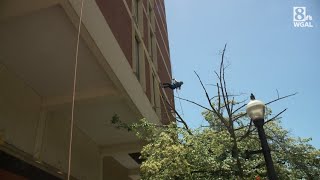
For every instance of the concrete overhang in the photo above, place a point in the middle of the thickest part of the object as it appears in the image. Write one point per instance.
(38, 42)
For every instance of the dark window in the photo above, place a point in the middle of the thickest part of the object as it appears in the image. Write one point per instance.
(151, 43)
(136, 11)
(154, 90)
(150, 11)
(137, 57)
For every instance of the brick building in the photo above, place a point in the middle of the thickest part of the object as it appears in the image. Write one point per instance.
(123, 56)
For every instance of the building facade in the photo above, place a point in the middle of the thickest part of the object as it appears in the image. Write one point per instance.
(123, 57)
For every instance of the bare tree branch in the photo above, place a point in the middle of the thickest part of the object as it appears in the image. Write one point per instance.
(194, 103)
(181, 119)
(232, 104)
(248, 131)
(208, 98)
(219, 99)
(279, 98)
(223, 83)
(274, 117)
(238, 117)
(230, 95)
(227, 97)
(239, 108)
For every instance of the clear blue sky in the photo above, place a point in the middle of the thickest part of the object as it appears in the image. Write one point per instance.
(265, 52)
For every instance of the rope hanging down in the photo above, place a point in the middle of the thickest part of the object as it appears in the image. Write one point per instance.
(74, 92)
(182, 113)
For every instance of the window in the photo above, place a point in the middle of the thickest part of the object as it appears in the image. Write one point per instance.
(137, 58)
(136, 9)
(150, 10)
(151, 43)
(155, 94)
(154, 91)
(138, 55)
(151, 13)
(151, 33)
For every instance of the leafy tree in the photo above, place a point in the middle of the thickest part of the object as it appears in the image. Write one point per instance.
(228, 148)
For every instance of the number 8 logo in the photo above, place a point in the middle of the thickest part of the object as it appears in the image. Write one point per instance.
(299, 13)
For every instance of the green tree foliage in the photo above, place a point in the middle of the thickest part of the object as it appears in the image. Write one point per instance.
(227, 148)
(171, 152)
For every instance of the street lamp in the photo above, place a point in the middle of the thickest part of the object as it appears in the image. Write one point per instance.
(256, 111)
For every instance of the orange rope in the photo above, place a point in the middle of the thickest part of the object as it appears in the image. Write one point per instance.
(74, 93)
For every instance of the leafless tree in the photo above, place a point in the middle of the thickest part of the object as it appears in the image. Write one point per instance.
(228, 111)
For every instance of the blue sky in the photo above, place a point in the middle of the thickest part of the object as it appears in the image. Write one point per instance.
(265, 51)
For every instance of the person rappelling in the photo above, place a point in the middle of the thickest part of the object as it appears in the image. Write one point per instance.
(173, 85)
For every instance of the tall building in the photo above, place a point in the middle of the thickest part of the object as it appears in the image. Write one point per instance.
(123, 56)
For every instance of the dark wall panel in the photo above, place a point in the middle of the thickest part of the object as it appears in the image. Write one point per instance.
(119, 21)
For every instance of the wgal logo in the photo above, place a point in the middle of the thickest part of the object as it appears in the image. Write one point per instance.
(300, 17)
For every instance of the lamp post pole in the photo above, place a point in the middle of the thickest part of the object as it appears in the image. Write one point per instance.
(256, 111)
(272, 175)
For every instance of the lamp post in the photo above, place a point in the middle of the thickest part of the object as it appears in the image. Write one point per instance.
(256, 111)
